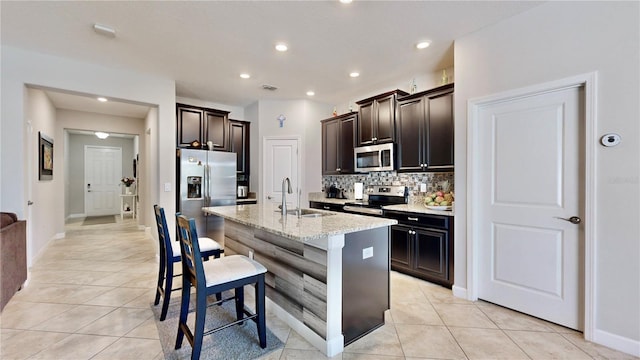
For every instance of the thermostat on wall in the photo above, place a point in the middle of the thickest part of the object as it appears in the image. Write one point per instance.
(610, 139)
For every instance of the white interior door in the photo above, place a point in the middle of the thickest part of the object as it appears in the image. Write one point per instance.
(102, 174)
(531, 176)
(281, 160)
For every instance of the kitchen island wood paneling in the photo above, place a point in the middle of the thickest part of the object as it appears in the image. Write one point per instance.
(317, 267)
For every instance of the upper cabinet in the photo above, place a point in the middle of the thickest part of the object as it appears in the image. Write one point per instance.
(425, 130)
(216, 127)
(239, 144)
(202, 125)
(377, 120)
(338, 141)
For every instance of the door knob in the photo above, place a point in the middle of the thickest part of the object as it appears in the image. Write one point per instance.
(29, 203)
(269, 197)
(574, 219)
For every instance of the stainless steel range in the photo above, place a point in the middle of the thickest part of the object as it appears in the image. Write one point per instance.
(379, 196)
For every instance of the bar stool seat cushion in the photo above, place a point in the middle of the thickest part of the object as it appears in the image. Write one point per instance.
(230, 268)
(206, 244)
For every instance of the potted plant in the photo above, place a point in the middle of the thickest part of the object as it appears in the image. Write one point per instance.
(127, 181)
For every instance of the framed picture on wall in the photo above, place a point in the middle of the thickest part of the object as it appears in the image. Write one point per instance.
(46, 157)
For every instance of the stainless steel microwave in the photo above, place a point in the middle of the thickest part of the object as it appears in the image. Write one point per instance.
(374, 158)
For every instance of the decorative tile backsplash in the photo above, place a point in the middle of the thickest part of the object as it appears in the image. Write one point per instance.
(411, 180)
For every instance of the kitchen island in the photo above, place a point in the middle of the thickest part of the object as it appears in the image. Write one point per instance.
(328, 272)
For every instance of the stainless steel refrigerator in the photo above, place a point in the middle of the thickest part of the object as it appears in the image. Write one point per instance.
(205, 178)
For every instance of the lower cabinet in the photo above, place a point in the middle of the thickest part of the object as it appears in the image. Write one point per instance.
(422, 251)
(325, 206)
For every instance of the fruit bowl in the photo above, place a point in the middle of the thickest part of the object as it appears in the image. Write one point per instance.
(439, 200)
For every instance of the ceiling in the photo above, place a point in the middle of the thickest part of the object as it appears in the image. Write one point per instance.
(205, 45)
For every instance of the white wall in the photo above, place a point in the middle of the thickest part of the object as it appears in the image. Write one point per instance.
(303, 120)
(20, 68)
(40, 115)
(553, 41)
(424, 81)
(149, 168)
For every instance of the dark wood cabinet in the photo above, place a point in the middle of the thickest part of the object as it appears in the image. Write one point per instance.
(377, 120)
(216, 127)
(325, 206)
(425, 130)
(239, 144)
(401, 245)
(422, 246)
(190, 125)
(202, 124)
(338, 141)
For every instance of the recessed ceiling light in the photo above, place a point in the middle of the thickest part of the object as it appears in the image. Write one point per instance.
(310, 93)
(101, 135)
(423, 44)
(346, 1)
(245, 76)
(354, 74)
(102, 99)
(281, 47)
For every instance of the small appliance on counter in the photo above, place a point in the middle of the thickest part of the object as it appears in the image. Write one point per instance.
(334, 193)
(243, 191)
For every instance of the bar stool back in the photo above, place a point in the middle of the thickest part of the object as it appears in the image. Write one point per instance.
(216, 276)
(169, 255)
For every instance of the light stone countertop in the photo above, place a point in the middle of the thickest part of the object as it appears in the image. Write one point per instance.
(333, 201)
(267, 217)
(417, 208)
(414, 208)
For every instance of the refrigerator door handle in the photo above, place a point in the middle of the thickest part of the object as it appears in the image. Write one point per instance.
(207, 182)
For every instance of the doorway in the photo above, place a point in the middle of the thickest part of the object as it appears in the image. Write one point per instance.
(530, 247)
(281, 160)
(102, 174)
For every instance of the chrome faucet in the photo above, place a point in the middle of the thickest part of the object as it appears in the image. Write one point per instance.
(284, 195)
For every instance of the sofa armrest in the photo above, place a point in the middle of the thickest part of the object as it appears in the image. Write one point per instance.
(13, 259)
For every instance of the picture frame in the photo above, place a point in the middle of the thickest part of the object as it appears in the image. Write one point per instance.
(45, 145)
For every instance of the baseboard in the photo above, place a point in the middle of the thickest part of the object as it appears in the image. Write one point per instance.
(459, 292)
(617, 342)
(76, 216)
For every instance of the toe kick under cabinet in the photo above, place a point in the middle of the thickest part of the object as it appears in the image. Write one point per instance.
(422, 246)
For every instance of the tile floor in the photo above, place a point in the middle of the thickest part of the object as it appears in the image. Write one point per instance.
(88, 298)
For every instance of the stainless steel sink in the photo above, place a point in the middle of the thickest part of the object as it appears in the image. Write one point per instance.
(309, 213)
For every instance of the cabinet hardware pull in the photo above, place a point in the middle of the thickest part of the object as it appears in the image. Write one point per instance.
(412, 218)
(326, 208)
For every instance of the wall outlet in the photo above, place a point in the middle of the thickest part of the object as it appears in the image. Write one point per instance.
(167, 187)
(423, 187)
(367, 253)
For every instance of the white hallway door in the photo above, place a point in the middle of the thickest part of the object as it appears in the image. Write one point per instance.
(281, 160)
(531, 174)
(102, 174)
